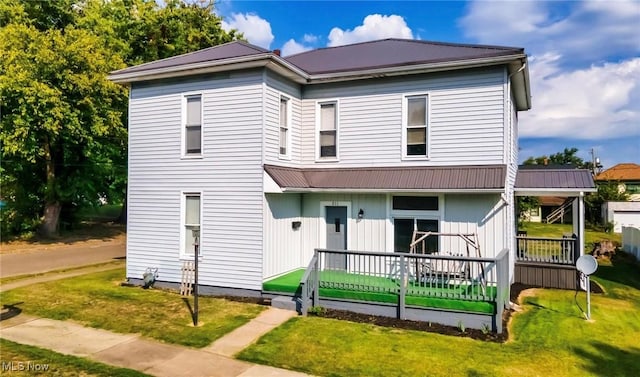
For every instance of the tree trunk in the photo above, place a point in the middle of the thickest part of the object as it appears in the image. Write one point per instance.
(51, 217)
(122, 219)
(52, 206)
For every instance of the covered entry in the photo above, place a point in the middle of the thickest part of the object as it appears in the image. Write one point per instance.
(550, 262)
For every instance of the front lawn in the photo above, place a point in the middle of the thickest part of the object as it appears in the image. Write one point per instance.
(557, 230)
(22, 360)
(549, 338)
(97, 300)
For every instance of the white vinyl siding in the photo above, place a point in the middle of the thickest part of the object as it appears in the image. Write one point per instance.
(466, 119)
(275, 89)
(229, 176)
(282, 243)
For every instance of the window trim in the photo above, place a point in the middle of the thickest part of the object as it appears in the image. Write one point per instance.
(405, 126)
(285, 156)
(318, 120)
(183, 127)
(392, 214)
(183, 212)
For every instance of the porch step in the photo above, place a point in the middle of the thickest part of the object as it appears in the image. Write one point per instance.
(286, 302)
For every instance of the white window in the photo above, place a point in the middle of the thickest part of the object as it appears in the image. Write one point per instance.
(328, 131)
(193, 126)
(403, 233)
(284, 127)
(191, 224)
(416, 129)
(411, 213)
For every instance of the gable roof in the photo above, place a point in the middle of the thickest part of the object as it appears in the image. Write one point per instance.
(621, 172)
(548, 181)
(387, 57)
(484, 178)
(392, 53)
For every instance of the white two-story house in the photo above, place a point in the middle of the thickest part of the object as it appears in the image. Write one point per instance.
(351, 147)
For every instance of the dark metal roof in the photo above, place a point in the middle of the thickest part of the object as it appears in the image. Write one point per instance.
(225, 51)
(391, 52)
(554, 179)
(484, 177)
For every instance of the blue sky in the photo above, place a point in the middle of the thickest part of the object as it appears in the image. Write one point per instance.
(584, 56)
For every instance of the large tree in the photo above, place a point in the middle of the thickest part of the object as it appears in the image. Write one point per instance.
(63, 124)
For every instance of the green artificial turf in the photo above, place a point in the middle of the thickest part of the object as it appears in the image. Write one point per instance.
(380, 289)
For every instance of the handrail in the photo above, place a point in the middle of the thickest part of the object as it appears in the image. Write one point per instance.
(544, 238)
(308, 284)
(417, 256)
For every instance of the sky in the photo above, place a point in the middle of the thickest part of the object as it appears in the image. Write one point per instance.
(584, 56)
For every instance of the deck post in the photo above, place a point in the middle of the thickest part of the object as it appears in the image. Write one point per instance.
(316, 278)
(403, 286)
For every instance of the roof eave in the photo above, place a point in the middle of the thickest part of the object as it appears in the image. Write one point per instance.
(274, 62)
(386, 190)
(414, 69)
(536, 191)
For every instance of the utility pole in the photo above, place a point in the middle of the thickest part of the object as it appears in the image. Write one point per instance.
(596, 166)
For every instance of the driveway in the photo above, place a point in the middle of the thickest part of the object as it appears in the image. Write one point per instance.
(38, 258)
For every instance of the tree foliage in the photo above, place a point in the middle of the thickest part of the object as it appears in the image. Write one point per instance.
(63, 124)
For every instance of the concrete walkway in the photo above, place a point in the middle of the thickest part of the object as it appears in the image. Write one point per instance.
(149, 356)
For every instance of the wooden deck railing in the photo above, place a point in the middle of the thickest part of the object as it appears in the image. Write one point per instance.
(410, 275)
(547, 250)
(309, 285)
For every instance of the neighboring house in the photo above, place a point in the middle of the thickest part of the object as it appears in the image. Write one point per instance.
(549, 206)
(351, 147)
(627, 177)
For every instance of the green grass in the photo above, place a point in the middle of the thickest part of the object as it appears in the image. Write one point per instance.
(379, 289)
(557, 230)
(12, 279)
(107, 212)
(549, 338)
(97, 300)
(57, 364)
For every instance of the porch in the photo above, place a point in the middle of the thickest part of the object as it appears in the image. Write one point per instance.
(549, 262)
(447, 289)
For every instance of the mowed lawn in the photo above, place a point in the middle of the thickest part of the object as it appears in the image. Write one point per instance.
(550, 337)
(97, 300)
(557, 230)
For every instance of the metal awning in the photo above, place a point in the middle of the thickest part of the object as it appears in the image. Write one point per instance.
(553, 182)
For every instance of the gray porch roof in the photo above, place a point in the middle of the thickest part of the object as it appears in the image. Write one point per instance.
(481, 178)
(559, 182)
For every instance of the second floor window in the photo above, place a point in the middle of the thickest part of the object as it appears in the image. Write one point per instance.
(284, 126)
(416, 127)
(193, 126)
(328, 131)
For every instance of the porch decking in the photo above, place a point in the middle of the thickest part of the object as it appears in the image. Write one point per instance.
(378, 289)
(447, 289)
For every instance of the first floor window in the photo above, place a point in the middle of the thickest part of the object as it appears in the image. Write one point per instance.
(416, 127)
(191, 222)
(403, 233)
(193, 126)
(328, 130)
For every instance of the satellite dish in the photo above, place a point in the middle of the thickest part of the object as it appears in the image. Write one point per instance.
(587, 264)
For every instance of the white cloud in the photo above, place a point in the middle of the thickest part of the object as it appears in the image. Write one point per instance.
(292, 47)
(255, 29)
(582, 32)
(310, 38)
(374, 26)
(599, 102)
